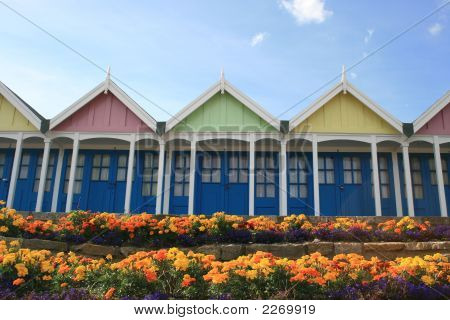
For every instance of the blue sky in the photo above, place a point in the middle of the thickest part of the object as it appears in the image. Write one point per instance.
(276, 51)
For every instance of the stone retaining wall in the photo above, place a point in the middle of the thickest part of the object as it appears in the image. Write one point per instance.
(382, 250)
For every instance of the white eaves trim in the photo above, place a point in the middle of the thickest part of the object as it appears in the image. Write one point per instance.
(107, 85)
(209, 93)
(20, 105)
(348, 87)
(431, 111)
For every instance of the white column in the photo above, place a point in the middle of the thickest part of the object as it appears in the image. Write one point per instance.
(439, 176)
(130, 168)
(397, 187)
(15, 170)
(375, 176)
(167, 182)
(73, 168)
(315, 164)
(43, 175)
(192, 176)
(283, 178)
(408, 183)
(57, 180)
(251, 176)
(159, 188)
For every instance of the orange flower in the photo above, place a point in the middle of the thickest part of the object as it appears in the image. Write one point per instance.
(64, 284)
(110, 293)
(187, 280)
(160, 255)
(18, 281)
(151, 275)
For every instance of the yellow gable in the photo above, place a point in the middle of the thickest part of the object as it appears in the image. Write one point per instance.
(11, 119)
(345, 114)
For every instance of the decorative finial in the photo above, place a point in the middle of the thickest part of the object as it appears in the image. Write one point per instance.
(222, 81)
(344, 79)
(108, 78)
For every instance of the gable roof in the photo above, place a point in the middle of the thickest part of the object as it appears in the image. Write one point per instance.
(104, 86)
(24, 108)
(221, 86)
(434, 109)
(345, 86)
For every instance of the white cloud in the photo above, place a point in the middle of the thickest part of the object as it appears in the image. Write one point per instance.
(353, 75)
(368, 35)
(307, 11)
(258, 38)
(435, 29)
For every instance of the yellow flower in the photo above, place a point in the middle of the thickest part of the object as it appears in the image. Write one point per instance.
(427, 280)
(251, 274)
(181, 264)
(4, 229)
(202, 228)
(22, 271)
(14, 243)
(109, 257)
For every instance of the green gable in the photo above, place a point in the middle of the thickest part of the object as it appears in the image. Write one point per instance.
(223, 113)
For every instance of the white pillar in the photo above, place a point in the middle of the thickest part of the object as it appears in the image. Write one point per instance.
(408, 183)
(57, 180)
(439, 176)
(130, 168)
(397, 186)
(15, 170)
(43, 175)
(73, 168)
(315, 157)
(167, 182)
(283, 178)
(159, 188)
(192, 176)
(375, 176)
(251, 176)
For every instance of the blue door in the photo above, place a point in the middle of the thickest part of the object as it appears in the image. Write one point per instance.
(300, 181)
(223, 182)
(28, 181)
(426, 201)
(145, 183)
(6, 160)
(107, 181)
(81, 180)
(236, 183)
(266, 183)
(179, 187)
(345, 184)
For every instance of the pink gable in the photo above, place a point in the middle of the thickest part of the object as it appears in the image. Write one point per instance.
(105, 113)
(439, 124)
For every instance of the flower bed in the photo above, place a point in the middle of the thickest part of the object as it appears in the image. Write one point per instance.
(194, 230)
(162, 274)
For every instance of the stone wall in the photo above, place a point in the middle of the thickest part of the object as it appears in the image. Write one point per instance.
(382, 250)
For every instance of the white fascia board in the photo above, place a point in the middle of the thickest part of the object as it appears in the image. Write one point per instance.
(426, 116)
(99, 89)
(209, 93)
(303, 115)
(19, 105)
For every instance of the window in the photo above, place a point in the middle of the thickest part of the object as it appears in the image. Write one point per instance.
(49, 175)
(211, 164)
(265, 175)
(150, 174)
(383, 172)
(416, 176)
(122, 165)
(238, 168)
(298, 176)
(100, 167)
(432, 165)
(24, 165)
(181, 174)
(78, 174)
(326, 170)
(2, 165)
(352, 170)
